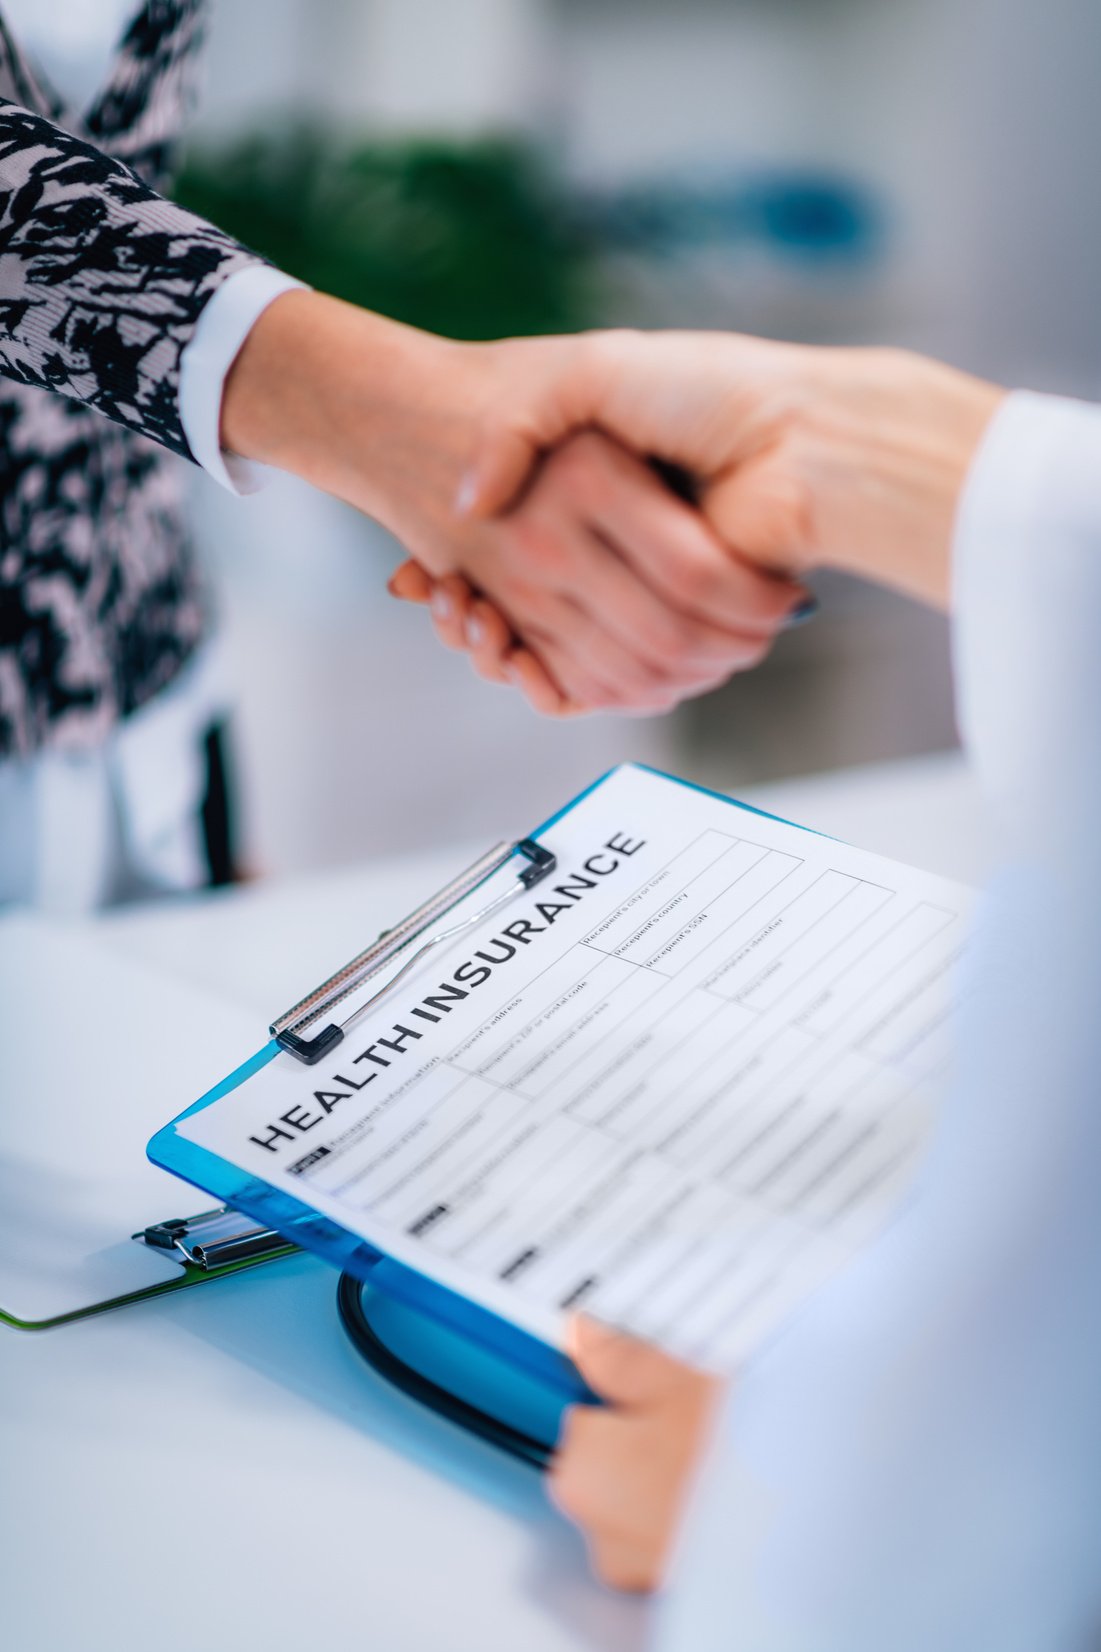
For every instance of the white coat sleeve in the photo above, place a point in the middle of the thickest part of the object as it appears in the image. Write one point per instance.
(916, 1462)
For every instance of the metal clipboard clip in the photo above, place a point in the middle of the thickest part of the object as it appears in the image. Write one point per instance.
(217, 1238)
(290, 1028)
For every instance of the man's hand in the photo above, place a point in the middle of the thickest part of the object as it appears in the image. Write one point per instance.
(626, 596)
(622, 1472)
(805, 457)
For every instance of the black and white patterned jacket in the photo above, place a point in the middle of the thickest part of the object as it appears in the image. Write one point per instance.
(101, 285)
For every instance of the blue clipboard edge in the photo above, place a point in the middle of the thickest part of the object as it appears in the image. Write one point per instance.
(303, 1226)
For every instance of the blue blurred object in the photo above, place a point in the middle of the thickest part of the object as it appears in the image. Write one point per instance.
(814, 217)
(798, 215)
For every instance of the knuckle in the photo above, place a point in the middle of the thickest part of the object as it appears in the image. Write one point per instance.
(699, 580)
(581, 688)
(581, 468)
(526, 537)
(678, 644)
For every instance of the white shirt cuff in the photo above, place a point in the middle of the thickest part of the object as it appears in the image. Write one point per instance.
(1026, 571)
(222, 328)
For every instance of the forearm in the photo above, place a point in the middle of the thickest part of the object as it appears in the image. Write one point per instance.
(313, 370)
(102, 281)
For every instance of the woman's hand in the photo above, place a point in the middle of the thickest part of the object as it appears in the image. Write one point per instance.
(470, 625)
(624, 594)
(622, 1472)
(627, 513)
(805, 457)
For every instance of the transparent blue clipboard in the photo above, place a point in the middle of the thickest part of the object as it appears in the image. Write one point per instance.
(307, 1032)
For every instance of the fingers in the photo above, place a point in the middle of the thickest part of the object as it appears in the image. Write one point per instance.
(621, 1472)
(600, 529)
(497, 658)
(538, 686)
(410, 583)
(690, 571)
(594, 1482)
(619, 1368)
(767, 508)
(450, 605)
(621, 594)
(628, 1566)
(595, 668)
(471, 624)
(489, 640)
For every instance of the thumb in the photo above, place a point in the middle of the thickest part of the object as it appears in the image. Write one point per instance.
(621, 1369)
(495, 477)
(549, 389)
(765, 508)
(410, 583)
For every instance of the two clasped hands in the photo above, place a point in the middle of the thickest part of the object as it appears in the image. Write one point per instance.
(529, 482)
(520, 478)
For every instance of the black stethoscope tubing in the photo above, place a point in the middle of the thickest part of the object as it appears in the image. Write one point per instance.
(366, 1340)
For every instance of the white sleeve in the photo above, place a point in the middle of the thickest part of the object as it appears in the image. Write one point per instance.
(916, 1462)
(1026, 555)
(221, 330)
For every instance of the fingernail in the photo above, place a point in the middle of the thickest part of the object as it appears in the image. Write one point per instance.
(441, 605)
(475, 632)
(466, 495)
(805, 611)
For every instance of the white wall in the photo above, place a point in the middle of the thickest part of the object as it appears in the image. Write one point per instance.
(452, 65)
(1028, 175)
(978, 120)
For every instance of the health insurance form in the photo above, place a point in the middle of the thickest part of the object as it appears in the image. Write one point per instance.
(676, 1084)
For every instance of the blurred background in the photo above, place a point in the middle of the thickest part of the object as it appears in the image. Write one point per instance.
(920, 172)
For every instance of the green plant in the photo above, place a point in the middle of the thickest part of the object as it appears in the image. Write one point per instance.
(471, 240)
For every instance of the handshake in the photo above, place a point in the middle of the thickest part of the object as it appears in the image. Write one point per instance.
(530, 481)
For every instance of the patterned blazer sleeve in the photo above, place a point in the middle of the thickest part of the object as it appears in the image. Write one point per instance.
(102, 281)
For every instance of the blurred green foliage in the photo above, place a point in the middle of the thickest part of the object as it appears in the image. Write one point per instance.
(470, 240)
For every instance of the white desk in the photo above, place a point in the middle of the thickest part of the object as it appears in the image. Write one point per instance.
(217, 1468)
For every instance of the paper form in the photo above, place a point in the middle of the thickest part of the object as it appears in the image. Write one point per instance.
(676, 1084)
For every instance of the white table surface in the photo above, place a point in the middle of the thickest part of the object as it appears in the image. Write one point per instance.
(217, 1468)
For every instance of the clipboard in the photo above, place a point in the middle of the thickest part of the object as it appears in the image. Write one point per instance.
(68, 1207)
(311, 1029)
(314, 1027)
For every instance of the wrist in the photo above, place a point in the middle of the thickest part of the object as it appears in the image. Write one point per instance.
(918, 426)
(343, 398)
